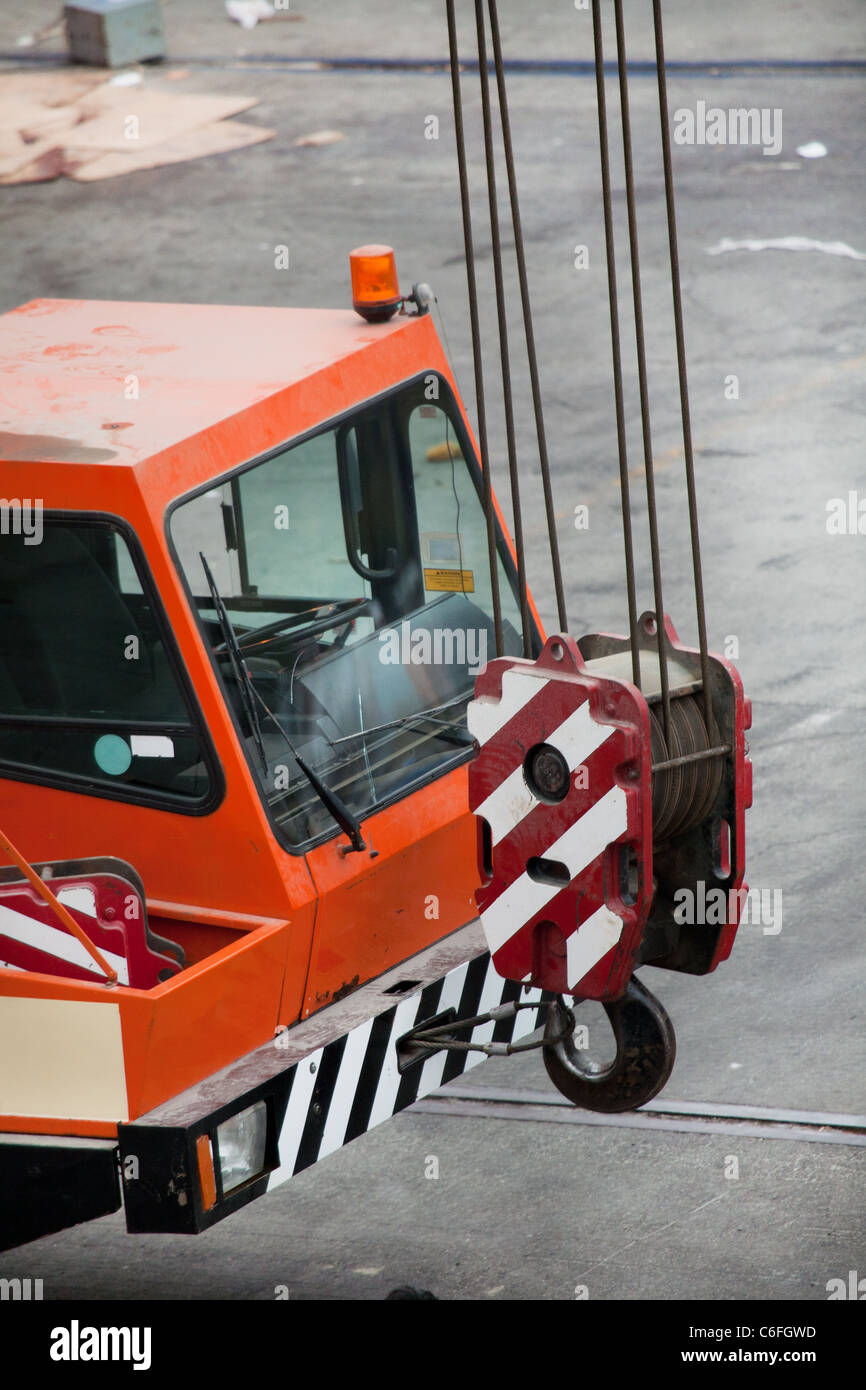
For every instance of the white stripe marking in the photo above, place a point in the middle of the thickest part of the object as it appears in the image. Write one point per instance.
(525, 1022)
(592, 940)
(786, 243)
(485, 716)
(346, 1085)
(60, 944)
(296, 1116)
(389, 1077)
(82, 899)
(507, 806)
(580, 845)
(431, 1074)
(345, 1088)
(577, 737)
(491, 995)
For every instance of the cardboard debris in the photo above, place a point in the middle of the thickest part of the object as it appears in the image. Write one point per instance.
(30, 116)
(135, 120)
(83, 126)
(53, 88)
(47, 121)
(219, 138)
(35, 163)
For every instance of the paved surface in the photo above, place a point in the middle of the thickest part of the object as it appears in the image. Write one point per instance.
(629, 1215)
(780, 29)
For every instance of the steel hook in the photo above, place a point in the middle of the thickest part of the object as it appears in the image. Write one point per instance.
(645, 1052)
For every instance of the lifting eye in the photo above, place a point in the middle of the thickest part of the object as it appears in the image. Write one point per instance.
(629, 874)
(486, 847)
(550, 871)
(546, 773)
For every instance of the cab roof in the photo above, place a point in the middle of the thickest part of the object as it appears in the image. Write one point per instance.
(102, 381)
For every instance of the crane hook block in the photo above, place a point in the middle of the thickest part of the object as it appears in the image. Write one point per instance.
(600, 846)
(562, 789)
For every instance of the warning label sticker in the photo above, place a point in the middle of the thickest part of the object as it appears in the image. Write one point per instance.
(450, 581)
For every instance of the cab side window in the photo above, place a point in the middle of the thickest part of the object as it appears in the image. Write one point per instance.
(88, 695)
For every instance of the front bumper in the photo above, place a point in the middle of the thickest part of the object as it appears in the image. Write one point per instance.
(320, 1083)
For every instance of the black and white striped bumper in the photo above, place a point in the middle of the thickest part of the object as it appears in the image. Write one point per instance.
(322, 1083)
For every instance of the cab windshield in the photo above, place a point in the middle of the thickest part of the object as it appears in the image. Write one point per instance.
(353, 570)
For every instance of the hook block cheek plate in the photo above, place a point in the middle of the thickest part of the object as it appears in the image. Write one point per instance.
(562, 789)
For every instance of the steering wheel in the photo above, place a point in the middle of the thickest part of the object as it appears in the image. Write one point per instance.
(334, 613)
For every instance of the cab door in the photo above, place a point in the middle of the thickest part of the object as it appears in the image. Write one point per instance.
(349, 620)
(414, 882)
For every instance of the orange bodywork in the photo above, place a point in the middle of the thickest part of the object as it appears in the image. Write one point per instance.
(120, 409)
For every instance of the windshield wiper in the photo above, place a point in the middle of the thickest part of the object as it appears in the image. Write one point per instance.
(332, 803)
(239, 666)
(347, 822)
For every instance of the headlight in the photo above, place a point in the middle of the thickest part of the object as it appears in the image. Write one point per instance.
(241, 1143)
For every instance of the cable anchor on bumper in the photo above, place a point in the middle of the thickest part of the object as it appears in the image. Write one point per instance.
(433, 1036)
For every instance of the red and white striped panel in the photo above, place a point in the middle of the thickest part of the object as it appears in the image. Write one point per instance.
(576, 932)
(113, 914)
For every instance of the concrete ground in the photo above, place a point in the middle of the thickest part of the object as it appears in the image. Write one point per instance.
(522, 1210)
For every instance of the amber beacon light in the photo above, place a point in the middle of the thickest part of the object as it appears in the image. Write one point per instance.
(375, 291)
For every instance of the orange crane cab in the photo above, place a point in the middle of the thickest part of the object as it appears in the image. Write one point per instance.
(244, 596)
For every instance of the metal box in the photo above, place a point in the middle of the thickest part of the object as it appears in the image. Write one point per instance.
(113, 33)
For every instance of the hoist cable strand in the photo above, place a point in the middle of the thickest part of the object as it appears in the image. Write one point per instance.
(681, 358)
(610, 252)
(505, 365)
(527, 318)
(642, 372)
(472, 289)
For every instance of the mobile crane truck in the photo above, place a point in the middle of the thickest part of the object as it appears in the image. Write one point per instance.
(302, 813)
